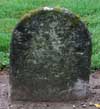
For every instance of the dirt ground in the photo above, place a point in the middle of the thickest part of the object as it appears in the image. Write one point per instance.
(87, 103)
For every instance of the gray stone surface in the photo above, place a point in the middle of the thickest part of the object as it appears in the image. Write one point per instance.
(50, 51)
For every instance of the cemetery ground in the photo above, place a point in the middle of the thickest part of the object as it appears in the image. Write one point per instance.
(87, 103)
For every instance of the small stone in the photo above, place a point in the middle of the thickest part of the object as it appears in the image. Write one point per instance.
(91, 104)
(84, 105)
(11, 106)
(47, 105)
(74, 106)
(98, 99)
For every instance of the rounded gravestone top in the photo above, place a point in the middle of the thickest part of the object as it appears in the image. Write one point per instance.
(50, 49)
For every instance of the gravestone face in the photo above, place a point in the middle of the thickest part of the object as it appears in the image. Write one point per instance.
(50, 51)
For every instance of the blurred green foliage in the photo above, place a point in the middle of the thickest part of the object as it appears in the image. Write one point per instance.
(12, 10)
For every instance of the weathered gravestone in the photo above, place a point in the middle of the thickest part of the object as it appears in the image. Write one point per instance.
(50, 52)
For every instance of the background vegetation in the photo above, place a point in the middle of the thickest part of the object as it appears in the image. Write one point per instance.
(12, 10)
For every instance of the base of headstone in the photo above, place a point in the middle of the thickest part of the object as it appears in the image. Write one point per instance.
(43, 105)
(80, 91)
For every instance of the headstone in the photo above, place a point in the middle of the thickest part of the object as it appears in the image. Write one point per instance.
(50, 54)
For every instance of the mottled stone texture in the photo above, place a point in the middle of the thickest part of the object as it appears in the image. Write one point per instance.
(50, 50)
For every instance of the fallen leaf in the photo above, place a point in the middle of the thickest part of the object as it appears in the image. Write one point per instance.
(97, 105)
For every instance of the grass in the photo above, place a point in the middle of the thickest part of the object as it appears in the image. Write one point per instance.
(12, 10)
